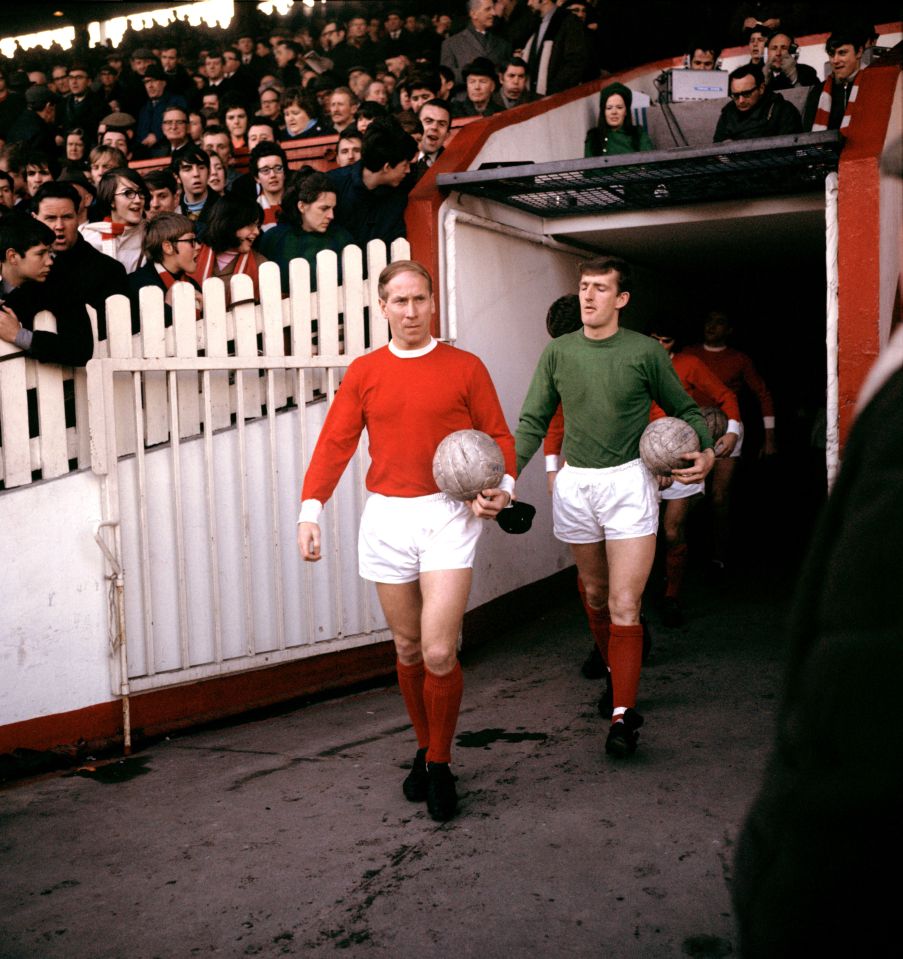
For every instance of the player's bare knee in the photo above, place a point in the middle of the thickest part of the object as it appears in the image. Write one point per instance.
(674, 533)
(440, 661)
(596, 595)
(624, 607)
(408, 649)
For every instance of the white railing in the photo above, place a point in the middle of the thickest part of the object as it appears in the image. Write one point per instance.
(43, 407)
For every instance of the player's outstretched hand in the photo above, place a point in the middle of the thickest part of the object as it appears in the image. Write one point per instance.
(309, 542)
(702, 463)
(489, 503)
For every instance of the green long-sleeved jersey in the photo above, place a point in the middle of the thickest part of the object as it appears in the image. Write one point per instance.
(605, 388)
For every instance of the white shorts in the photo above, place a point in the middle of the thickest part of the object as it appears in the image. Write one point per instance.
(591, 505)
(403, 536)
(682, 490)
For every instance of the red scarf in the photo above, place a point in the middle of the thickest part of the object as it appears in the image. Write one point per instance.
(113, 230)
(207, 259)
(823, 112)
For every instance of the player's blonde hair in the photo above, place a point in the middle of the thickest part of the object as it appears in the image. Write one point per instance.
(402, 266)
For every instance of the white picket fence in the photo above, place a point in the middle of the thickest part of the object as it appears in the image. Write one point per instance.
(43, 407)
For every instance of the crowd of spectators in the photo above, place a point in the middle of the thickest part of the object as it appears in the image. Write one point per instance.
(209, 103)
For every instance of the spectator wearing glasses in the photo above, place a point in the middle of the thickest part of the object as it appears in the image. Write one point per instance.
(754, 110)
(175, 132)
(59, 79)
(268, 167)
(228, 244)
(271, 105)
(121, 200)
(171, 255)
(82, 107)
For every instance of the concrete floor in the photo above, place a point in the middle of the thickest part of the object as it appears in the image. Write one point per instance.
(289, 835)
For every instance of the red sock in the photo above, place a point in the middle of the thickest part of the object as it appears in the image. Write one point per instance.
(626, 657)
(442, 696)
(411, 681)
(599, 622)
(675, 565)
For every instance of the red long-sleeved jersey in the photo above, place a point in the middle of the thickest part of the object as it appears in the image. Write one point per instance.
(735, 369)
(704, 387)
(408, 406)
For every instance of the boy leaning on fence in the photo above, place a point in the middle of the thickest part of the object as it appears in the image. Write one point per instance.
(26, 256)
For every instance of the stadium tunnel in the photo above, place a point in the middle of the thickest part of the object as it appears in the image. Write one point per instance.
(787, 235)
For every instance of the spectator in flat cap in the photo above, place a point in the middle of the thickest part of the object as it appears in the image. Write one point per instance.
(108, 87)
(133, 93)
(475, 41)
(36, 125)
(149, 129)
(480, 83)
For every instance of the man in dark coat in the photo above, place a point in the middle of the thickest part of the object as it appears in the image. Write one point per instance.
(36, 125)
(371, 195)
(557, 54)
(11, 105)
(807, 875)
(754, 110)
(79, 271)
(82, 108)
(25, 263)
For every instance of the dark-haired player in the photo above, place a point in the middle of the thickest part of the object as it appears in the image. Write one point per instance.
(605, 503)
(415, 543)
(706, 390)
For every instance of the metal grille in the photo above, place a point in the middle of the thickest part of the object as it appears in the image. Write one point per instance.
(753, 168)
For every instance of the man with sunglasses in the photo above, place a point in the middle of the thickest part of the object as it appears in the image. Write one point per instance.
(755, 110)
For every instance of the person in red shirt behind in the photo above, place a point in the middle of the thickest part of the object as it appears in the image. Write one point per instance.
(736, 371)
(706, 390)
(415, 543)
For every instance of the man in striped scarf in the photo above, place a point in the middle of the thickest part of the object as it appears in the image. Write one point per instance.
(826, 106)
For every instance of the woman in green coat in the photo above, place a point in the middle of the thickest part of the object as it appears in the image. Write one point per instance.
(305, 226)
(616, 132)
